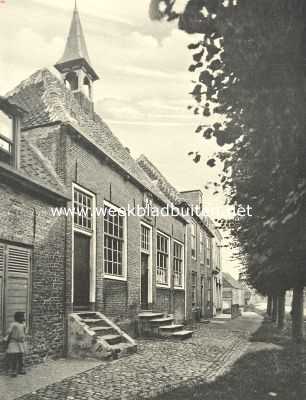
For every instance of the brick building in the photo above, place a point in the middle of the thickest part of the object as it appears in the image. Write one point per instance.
(32, 242)
(203, 263)
(116, 263)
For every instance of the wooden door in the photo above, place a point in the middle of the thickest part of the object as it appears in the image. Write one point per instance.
(81, 273)
(144, 280)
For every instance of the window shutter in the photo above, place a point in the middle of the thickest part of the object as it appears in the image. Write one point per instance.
(17, 282)
(2, 254)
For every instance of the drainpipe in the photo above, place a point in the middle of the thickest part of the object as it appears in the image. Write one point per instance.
(185, 271)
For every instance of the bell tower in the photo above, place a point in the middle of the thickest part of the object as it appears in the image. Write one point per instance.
(75, 65)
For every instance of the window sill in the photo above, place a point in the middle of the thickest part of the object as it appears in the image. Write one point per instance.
(159, 286)
(180, 289)
(115, 278)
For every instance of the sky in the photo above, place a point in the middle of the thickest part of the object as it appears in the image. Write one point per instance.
(144, 86)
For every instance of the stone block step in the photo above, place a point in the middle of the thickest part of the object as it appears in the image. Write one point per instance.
(102, 330)
(168, 330)
(150, 315)
(184, 334)
(124, 347)
(88, 314)
(171, 328)
(92, 320)
(112, 339)
(161, 321)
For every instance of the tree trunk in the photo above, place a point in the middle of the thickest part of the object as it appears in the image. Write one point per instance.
(281, 310)
(274, 308)
(298, 314)
(269, 306)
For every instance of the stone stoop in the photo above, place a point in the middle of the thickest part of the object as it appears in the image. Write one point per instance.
(222, 317)
(92, 334)
(154, 324)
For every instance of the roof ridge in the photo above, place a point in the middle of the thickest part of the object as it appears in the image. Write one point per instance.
(49, 100)
(159, 176)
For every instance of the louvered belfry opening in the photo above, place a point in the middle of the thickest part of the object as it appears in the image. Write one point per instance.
(15, 267)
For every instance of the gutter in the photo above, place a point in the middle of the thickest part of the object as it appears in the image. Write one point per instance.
(31, 184)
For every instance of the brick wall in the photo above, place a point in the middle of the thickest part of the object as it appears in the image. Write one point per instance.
(26, 220)
(92, 171)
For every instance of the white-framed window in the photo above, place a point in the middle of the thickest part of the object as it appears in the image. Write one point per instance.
(163, 259)
(194, 288)
(114, 242)
(193, 241)
(178, 265)
(82, 204)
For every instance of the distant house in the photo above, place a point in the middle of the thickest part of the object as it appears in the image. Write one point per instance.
(233, 294)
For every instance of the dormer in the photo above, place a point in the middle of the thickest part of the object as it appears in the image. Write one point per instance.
(10, 116)
(75, 66)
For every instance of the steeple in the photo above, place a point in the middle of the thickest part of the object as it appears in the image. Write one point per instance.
(75, 65)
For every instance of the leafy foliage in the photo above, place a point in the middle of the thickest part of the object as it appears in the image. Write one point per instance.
(250, 69)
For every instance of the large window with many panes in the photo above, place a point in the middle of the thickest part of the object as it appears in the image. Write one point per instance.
(162, 268)
(114, 241)
(178, 265)
(82, 203)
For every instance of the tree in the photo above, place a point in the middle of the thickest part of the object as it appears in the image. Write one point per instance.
(250, 68)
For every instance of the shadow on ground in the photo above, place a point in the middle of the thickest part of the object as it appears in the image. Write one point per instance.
(273, 367)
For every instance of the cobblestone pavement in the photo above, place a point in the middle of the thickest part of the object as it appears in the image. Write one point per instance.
(159, 366)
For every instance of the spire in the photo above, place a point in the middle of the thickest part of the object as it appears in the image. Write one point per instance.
(76, 50)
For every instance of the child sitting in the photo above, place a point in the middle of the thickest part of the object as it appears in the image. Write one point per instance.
(16, 345)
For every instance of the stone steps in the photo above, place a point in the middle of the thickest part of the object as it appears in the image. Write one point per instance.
(93, 334)
(161, 321)
(155, 324)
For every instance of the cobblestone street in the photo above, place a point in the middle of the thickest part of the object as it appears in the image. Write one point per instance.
(159, 366)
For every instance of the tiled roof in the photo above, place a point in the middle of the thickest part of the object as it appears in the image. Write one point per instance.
(35, 165)
(170, 192)
(156, 176)
(231, 281)
(48, 100)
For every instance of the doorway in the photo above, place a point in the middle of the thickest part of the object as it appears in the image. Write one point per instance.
(202, 296)
(81, 272)
(144, 281)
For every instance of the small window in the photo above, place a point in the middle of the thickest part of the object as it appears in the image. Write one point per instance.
(82, 210)
(71, 80)
(162, 269)
(145, 239)
(113, 241)
(87, 85)
(193, 241)
(178, 265)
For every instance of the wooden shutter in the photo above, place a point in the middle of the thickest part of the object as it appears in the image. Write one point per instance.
(2, 255)
(17, 282)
